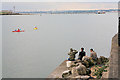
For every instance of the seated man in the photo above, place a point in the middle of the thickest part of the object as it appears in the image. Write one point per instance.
(93, 55)
(81, 54)
(72, 54)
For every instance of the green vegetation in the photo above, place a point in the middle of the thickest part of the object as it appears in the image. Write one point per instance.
(99, 70)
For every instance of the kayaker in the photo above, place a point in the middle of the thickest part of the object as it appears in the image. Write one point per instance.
(18, 30)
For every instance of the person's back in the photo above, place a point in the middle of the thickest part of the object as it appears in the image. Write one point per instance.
(72, 54)
(81, 54)
(93, 54)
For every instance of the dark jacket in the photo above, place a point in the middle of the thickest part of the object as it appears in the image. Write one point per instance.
(81, 54)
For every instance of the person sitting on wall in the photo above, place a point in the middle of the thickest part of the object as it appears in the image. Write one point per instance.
(93, 55)
(81, 54)
(72, 54)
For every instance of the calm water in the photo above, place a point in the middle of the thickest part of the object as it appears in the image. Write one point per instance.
(36, 53)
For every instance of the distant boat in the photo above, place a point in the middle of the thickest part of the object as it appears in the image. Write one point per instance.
(19, 30)
(100, 12)
(35, 28)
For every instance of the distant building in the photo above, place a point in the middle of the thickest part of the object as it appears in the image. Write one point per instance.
(7, 12)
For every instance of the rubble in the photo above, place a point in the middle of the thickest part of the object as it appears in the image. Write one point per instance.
(85, 68)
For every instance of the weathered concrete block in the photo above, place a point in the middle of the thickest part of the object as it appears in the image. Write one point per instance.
(114, 59)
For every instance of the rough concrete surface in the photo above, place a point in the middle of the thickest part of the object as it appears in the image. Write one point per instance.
(114, 59)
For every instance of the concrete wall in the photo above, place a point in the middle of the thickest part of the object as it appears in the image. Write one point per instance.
(114, 59)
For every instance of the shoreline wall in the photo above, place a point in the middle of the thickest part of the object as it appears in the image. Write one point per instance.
(114, 71)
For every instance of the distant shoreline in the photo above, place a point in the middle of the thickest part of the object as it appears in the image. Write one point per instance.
(46, 13)
(7, 12)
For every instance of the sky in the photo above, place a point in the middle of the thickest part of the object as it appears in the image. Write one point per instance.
(60, 0)
(46, 6)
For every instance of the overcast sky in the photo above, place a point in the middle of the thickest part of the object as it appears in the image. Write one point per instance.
(42, 6)
(59, 0)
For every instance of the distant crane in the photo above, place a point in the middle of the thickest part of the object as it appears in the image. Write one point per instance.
(14, 9)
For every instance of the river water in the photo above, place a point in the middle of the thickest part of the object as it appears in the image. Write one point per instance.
(36, 53)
